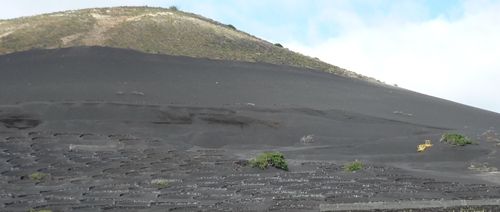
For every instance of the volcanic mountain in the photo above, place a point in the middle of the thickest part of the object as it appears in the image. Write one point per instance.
(150, 109)
(149, 30)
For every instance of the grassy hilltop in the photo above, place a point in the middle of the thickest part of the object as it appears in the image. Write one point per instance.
(150, 30)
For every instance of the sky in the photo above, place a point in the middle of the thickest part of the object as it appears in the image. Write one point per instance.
(444, 48)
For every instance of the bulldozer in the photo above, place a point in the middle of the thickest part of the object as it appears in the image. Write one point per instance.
(426, 145)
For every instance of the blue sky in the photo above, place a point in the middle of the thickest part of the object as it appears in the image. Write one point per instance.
(314, 21)
(444, 48)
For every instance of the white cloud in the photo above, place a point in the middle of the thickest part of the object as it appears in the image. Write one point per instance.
(452, 59)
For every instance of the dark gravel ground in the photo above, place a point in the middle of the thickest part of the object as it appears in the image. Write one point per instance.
(117, 172)
(116, 130)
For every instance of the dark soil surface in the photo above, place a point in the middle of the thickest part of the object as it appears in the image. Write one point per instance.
(115, 130)
(117, 172)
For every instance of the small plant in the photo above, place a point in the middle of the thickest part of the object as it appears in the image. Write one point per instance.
(160, 183)
(266, 159)
(37, 176)
(230, 26)
(353, 166)
(307, 139)
(174, 8)
(278, 45)
(455, 139)
(41, 210)
(471, 209)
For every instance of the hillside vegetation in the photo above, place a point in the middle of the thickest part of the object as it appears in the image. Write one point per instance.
(150, 30)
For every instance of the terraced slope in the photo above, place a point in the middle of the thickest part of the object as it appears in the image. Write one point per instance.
(150, 30)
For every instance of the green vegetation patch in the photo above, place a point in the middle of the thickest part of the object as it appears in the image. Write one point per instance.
(38, 176)
(230, 26)
(44, 31)
(455, 139)
(160, 183)
(353, 166)
(266, 159)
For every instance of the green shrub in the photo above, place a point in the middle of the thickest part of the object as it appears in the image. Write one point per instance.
(455, 139)
(230, 26)
(37, 176)
(353, 166)
(174, 8)
(266, 159)
(278, 45)
(160, 183)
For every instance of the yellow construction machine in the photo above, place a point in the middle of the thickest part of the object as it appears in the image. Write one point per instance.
(426, 145)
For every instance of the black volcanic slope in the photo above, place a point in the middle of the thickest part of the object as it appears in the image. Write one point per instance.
(105, 125)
